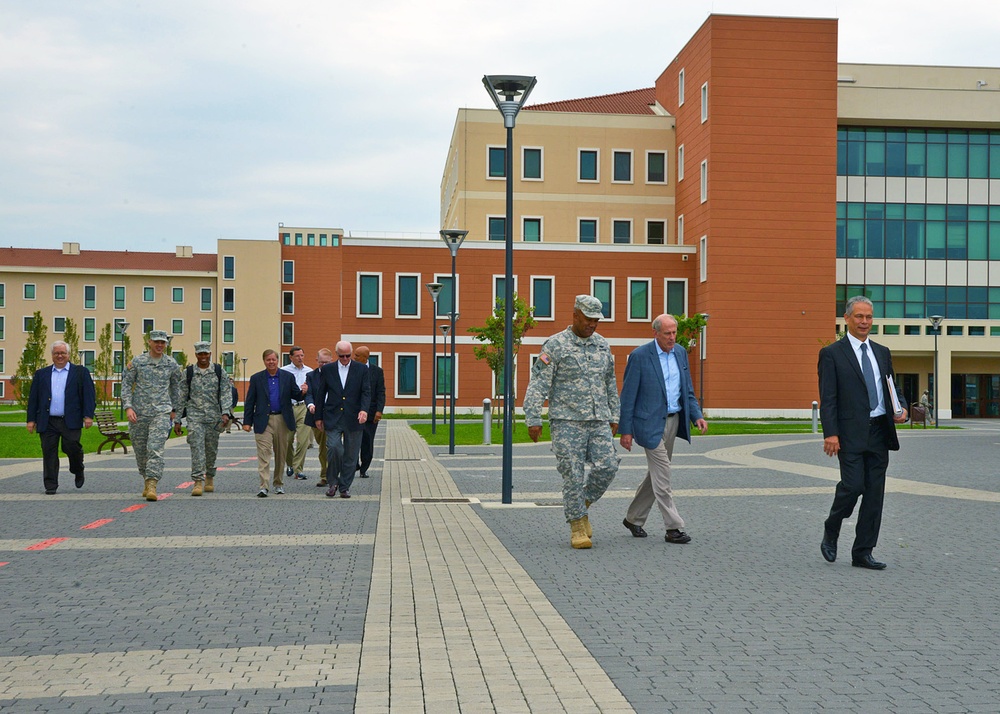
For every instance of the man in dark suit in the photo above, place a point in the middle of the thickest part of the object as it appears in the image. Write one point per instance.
(377, 378)
(859, 427)
(267, 409)
(323, 357)
(61, 402)
(342, 402)
(657, 405)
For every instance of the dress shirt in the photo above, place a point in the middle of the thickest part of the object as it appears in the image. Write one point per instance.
(300, 376)
(671, 379)
(272, 392)
(57, 407)
(856, 345)
(343, 369)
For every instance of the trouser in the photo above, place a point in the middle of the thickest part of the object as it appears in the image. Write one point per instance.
(320, 437)
(203, 438)
(149, 438)
(656, 485)
(295, 452)
(368, 444)
(862, 475)
(54, 432)
(342, 448)
(575, 443)
(274, 441)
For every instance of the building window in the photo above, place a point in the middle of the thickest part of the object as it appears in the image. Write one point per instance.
(311, 239)
(287, 302)
(656, 167)
(704, 102)
(228, 363)
(206, 330)
(622, 230)
(89, 329)
(177, 327)
(58, 324)
(638, 299)
(622, 167)
(229, 331)
(497, 162)
(148, 294)
(589, 165)
(370, 295)
(680, 163)
(442, 376)
(298, 239)
(287, 333)
(29, 291)
(588, 230)
(604, 289)
(1, 330)
(703, 254)
(58, 292)
(147, 325)
(406, 375)
(89, 297)
(680, 88)
(704, 180)
(680, 229)
(86, 359)
(531, 164)
(500, 287)
(656, 232)
(119, 297)
(118, 332)
(177, 294)
(407, 295)
(675, 296)
(541, 297)
(206, 299)
(28, 323)
(3, 295)
(286, 238)
(229, 267)
(444, 297)
(288, 271)
(228, 299)
(532, 230)
(322, 240)
(496, 228)
(375, 359)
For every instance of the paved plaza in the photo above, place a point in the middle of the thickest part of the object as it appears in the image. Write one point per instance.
(423, 593)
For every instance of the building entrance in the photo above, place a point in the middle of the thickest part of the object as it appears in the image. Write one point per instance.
(975, 395)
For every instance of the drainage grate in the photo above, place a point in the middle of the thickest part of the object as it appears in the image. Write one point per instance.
(548, 504)
(440, 500)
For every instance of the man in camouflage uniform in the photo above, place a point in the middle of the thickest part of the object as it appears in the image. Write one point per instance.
(151, 395)
(576, 373)
(206, 399)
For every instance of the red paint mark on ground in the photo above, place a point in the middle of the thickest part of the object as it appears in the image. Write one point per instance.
(186, 484)
(45, 544)
(3, 564)
(136, 507)
(161, 496)
(97, 524)
(236, 463)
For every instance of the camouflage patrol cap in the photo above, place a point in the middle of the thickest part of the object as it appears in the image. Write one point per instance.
(159, 335)
(200, 347)
(589, 306)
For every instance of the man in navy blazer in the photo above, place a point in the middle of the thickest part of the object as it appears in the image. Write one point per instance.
(62, 400)
(324, 356)
(342, 400)
(657, 405)
(859, 428)
(267, 409)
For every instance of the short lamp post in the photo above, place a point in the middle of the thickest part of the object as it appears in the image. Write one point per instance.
(453, 239)
(701, 362)
(509, 93)
(445, 329)
(936, 321)
(123, 328)
(434, 289)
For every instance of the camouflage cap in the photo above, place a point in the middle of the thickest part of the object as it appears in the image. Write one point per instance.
(200, 347)
(160, 335)
(589, 306)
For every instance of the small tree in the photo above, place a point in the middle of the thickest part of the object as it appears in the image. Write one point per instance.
(72, 338)
(689, 329)
(104, 363)
(492, 336)
(32, 360)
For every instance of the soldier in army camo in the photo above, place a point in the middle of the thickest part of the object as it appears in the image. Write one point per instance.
(206, 399)
(151, 395)
(576, 373)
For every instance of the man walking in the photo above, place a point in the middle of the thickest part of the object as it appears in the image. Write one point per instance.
(61, 402)
(377, 379)
(341, 403)
(267, 409)
(323, 357)
(298, 441)
(206, 400)
(658, 404)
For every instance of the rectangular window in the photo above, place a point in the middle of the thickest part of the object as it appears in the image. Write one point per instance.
(3, 295)
(2, 330)
(177, 327)
(703, 253)
(89, 329)
(118, 332)
(147, 325)
(588, 230)
(680, 88)
(370, 295)
(638, 299)
(322, 241)
(148, 294)
(656, 232)
(119, 297)
(28, 323)
(229, 267)
(622, 230)
(604, 289)
(228, 363)
(496, 228)
(86, 359)
(704, 180)
(58, 324)
(541, 297)
(89, 297)
(500, 287)
(680, 229)
(622, 172)
(442, 379)
(288, 271)
(680, 163)
(311, 239)
(287, 333)
(407, 295)
(286, 238)
(444, 297)
(229, 331)
(532, 230)
(656, 167)
(675, 297)
(375, 359)
(287, 302)
(704, 102)
(406, 375)
(531, 164)
(589, 165)
(177, 294)
(206, 330)
(298, 239)
(228, 299)
(497, 161)
(29, 291)
(2, 370)
(116, 360)
(58, 292)
(206, 299)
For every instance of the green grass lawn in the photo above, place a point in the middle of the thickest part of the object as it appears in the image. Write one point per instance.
(17, 443)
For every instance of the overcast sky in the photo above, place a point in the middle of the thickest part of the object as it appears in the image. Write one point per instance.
(147, 125)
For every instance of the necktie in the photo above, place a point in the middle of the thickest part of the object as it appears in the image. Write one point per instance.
(866, 370)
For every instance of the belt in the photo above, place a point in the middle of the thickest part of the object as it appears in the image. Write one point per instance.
(298, 401)
(273, 413)
(670, 414)
(876, 421)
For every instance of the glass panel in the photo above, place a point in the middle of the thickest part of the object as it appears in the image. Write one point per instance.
(602, 291)
(406, 375)
(622, 231)
(639, 299)
(542, 295)
(656, 167)
(370, 295)
(675, 297)
(407, 294)
(444, 297)
(497, 228)
(498, 162)
(533, 163)
(588, 165)
(655, 232)
(588, 231)
(532, 230)
(623, 166)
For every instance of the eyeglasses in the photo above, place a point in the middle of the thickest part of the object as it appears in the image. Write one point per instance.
(340, 356)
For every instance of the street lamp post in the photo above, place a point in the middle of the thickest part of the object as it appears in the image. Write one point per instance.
(509, 93)
(244, 361)
(701, 362)
(434, 289)
(453, 239)
(445, 329)
(936, 321)
(123, 328)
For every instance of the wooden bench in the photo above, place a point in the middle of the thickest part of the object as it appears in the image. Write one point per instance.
(112, 433)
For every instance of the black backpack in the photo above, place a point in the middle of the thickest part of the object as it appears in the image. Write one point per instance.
(190, 375)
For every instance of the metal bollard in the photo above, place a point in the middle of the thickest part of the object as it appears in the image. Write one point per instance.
(815, 417)
(487, 422)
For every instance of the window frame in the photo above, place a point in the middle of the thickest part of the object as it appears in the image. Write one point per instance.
(609, 279)
(666, 295)
(665, 180)
(231, 303)
(55, 292)
(416, 297)
(201, 330)
(490, 148)
(173, 294)
(497, 277)
(597, 230)
(360, 285)
(287, 266)
(211, 299)
(660, 221)
(680, 87)
(680, 163)
(33, 287)
(579, 165)
(648, 307)
(124, 301)
(397, 371)
(229, 267)
(287, 334)
(93, 302)
(231, 333)
(173, 326)
(92, 332)
(285, 295)
(614, 166)
(551, 280)
(615, 222)
(445, 279)
(703, 258)
(152, 324)
(541, 228)
(680, 229)
(704, 180)
(489, 233)
(704, 102)
(55, 324)
(150, 291)
(541, 163)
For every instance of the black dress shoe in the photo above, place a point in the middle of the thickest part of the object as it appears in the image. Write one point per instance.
(637, 531)
(677, 536)
(345, 494)
(867, 561)
(828, 548)
(364, 474)
(50, 492)
(79, 480)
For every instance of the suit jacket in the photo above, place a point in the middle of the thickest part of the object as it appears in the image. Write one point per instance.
(843, 405)
(376, 375)
(257, 405)
(80, 398)
(335, 403)
(644, 397)
(312, 380)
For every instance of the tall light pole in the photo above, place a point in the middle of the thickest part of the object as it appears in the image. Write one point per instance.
(244, 361)
(701, 362)
(936, 321)
(434, 289)
(514, 90)
(445, 329)
(122, 328)
(453, 239)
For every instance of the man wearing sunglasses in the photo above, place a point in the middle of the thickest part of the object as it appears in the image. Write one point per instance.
(344, 394)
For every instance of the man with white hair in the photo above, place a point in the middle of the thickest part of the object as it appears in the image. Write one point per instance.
(343, 396)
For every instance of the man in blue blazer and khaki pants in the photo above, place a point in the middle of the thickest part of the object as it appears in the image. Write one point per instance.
(62, 400)
(658, 404)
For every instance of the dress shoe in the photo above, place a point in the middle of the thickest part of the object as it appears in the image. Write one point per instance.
(637, 531)
(288, 472)
(345, 494)
(79, 480)
(332, 493)
(867, 561)
(321, 483)
(364, 474)
(50, 492)
(675, 535)
(828, 548)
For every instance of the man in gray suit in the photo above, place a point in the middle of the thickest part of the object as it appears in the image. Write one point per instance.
(658, 402)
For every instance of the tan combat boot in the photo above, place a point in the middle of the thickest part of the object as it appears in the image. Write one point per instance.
(199, 488)
(209, 484)
(150, 492)
(145, 487)
(586, 526)
(579, 537)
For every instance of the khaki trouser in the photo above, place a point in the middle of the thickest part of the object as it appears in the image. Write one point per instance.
(656, 485)
(295, 452)
(274, 441)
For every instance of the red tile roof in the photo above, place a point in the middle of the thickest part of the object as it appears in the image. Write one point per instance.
(107, 260)
(635, 101)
